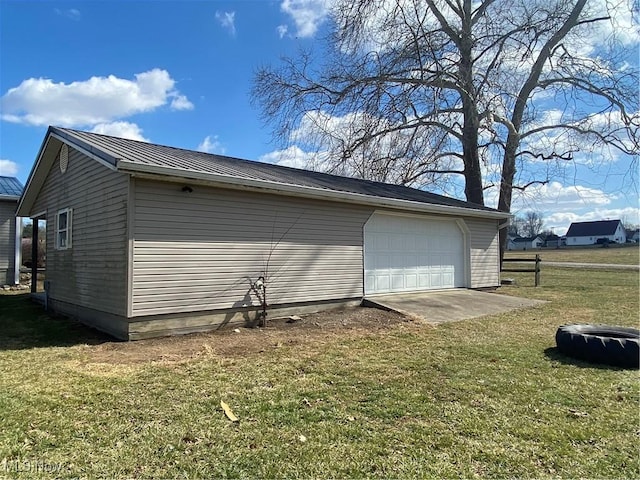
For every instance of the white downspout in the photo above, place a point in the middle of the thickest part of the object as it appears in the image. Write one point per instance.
(18, 252)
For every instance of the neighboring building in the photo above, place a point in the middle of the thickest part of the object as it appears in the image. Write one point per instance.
(589, 233)
(526, 243)
(146, 240)
(552, 241)
(633, 235)
(10, 191)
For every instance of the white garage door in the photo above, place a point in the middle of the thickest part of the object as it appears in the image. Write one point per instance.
(403, 254)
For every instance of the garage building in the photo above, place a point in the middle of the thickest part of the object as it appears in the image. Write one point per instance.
(146, 240)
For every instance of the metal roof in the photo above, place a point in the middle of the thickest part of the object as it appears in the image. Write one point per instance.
(116, 151)
(525, 239)
(593, 229)
(10, 187)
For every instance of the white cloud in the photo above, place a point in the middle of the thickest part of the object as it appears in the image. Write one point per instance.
(553, 197)
(282, 30)
(120, 129)
(181, 102)
(292, 156)
(228, 21)
(40, 101)
(307, 15)
(211, 145)
(622, 23)
(8, 168)
(72, 13)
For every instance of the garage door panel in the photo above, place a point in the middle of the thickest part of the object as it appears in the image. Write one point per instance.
(369, 283)
(397, 281)
(408, 254)
(396, 242)
(411, 281)
(397, 262)
(383, 283)
(435, 280)
(382, 242)
(382, 262)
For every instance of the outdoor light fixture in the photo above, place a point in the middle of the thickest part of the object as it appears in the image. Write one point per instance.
(187, 189)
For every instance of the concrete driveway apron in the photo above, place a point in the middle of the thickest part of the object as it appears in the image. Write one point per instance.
(449, 305)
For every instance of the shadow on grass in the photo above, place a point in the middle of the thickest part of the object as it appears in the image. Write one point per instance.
(24, 324)
(552, 353)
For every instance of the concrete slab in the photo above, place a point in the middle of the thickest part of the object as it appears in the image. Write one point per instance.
(449, 305)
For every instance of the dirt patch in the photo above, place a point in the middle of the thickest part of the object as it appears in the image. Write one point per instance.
(316, 328)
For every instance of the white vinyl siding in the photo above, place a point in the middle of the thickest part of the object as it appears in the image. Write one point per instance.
(7, 240)
(93, 273)
(199, 250)
(485, 252)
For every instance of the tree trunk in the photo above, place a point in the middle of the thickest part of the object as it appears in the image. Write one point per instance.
(506, 186)
(513, 139)
(472, 174)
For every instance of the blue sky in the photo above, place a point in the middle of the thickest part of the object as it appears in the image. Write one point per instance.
(180, 73)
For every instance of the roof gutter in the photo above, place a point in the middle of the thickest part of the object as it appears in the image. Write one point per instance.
(10, 197)
(239, 183)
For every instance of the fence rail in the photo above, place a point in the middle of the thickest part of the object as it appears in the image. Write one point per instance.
(536, 269)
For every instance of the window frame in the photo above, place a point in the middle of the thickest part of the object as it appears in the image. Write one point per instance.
(67, 231)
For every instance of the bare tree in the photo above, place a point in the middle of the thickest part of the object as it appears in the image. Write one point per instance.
(628, 224)
(528, 225)
(419, 92)
(532, 223)
(515, 227)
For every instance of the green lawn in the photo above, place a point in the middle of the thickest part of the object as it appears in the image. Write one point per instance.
(484, 398)
(617, 254)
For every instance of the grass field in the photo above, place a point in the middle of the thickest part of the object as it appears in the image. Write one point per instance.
(616, 254)
(484, 398)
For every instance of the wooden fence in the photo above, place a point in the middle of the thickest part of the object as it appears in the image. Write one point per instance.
(536, 269)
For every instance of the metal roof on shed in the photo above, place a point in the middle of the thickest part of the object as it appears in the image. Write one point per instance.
(10, 187)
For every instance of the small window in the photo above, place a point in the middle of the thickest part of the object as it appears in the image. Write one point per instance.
(63, 229)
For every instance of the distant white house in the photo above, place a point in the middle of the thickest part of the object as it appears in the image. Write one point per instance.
(526, 243)
(589, 233)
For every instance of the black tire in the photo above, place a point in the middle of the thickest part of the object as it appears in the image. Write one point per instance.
(618, 346)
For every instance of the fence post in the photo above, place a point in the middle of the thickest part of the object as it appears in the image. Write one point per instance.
(537, 270)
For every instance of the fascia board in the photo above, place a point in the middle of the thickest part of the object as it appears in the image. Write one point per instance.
(23, 207)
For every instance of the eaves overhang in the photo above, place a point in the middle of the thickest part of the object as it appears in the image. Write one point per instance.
(156, 172)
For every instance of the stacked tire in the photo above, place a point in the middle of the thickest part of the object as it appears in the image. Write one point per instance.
(606, 344)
